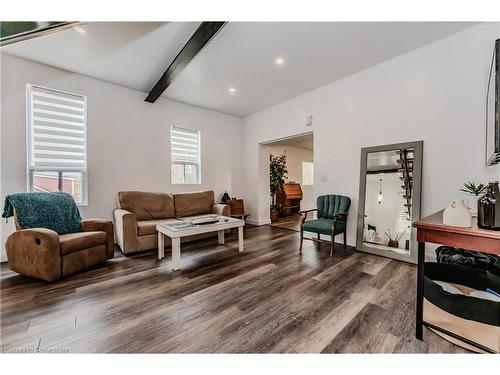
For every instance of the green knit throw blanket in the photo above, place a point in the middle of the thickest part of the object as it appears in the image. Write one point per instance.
(56, 211)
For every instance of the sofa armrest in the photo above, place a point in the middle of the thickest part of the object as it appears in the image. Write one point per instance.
(92, 225)
(125, 229)
(35, 252)
(221, 209)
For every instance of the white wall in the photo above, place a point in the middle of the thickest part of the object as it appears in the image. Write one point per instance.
(294, 158)
(128, 139)
(435, 94)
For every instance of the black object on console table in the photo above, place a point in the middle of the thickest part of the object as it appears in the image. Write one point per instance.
(488, 207)
(431, 229)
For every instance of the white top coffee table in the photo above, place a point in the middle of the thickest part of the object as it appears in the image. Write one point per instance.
(183, 227)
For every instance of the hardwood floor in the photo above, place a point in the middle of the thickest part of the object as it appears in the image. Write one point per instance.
(292, 222)
(270, 298)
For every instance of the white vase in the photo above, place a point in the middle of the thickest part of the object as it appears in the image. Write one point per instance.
(457, 215)
(471, 204)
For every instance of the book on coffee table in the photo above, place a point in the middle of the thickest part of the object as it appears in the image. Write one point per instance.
(209, 219)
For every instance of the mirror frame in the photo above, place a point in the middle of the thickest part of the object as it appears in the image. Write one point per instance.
(416, 199)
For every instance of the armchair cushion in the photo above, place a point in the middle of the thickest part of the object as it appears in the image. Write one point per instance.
(324, 226)
(331, 205)
(72, 242)
(82, 259)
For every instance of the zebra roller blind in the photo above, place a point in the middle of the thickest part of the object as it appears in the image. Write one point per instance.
(185, 146)
(57, 130)
(185, 156)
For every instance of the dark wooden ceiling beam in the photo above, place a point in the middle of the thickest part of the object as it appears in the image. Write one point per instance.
(203, 34)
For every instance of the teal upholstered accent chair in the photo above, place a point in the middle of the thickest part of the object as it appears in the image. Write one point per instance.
(332, 219)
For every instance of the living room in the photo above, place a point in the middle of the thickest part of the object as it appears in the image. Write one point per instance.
(153, 140)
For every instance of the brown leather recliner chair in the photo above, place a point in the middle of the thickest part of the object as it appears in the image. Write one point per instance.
(46, 255)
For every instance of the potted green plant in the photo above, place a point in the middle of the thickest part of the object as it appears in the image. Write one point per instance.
(474, 192)
(277, 175)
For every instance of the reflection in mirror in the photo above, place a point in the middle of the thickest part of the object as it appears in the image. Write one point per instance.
(389, 199)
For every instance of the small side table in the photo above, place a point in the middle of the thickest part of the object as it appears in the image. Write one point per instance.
(431, 229)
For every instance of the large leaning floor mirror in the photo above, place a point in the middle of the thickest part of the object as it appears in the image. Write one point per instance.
(389, 200)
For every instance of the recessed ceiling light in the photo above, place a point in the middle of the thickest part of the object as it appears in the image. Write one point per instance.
(279, 61)
(80, 30)
(232, 90)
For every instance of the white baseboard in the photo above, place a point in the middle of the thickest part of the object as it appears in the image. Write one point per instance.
(258, 222)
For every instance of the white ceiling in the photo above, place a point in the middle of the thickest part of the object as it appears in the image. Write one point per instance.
(242, 56)
(130, 54)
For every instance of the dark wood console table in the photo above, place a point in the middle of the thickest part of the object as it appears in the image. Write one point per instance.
(431, 229)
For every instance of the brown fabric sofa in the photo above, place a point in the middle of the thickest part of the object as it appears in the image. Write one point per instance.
(139, 212)
(46, 255)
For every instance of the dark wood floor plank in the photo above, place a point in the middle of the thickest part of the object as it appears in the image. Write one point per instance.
(366, 333)
(292, 222)
(320, 334)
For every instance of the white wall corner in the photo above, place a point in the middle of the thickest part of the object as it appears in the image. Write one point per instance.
(258, 222)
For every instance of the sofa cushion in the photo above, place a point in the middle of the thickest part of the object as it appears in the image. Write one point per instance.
(72, 242)
(195, 203)
(146, 227)
(146, 205)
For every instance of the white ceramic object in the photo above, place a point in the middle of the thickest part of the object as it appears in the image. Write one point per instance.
(457, 215)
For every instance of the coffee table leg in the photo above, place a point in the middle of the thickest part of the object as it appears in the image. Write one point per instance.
(221, 237)
(240, 239)
(161, 246)
(176, 254)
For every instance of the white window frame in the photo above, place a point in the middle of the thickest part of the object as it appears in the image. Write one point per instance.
(302, 171)
(197, 163)
(29, 141)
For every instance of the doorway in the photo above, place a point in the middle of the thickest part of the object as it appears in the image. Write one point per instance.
(297, 190)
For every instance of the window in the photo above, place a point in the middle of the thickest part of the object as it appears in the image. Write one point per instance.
(307, 173)
(185, 156)
(57, 142)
